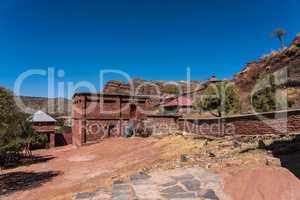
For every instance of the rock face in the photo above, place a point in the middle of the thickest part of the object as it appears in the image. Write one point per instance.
(288, 58)
(116, 87)
(261, 184)
(153, 87)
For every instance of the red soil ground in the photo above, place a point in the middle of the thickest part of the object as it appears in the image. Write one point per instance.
(87, 167)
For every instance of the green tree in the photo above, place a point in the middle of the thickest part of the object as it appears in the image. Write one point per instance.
(270, 96)
(264, 100)
(16, 132)
(221, 97)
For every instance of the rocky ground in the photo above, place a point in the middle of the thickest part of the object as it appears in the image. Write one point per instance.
(181, 183)
(174, 167)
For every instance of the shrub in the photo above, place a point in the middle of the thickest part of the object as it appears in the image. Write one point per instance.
(221, 97)
(16, 132)
(270, 97)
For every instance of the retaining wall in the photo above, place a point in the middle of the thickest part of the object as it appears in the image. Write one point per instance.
(280, 122)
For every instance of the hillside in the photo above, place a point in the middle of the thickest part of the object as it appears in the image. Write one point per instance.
(285, 64)
(56, 106)
(151, 87)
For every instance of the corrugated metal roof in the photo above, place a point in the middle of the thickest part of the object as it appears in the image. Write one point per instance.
(40, 116)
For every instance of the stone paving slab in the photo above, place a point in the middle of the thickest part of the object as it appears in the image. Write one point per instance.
(178, 184)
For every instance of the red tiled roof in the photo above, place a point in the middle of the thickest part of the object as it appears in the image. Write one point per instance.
(180, 101)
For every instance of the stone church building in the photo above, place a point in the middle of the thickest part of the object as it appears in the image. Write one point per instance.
(96, 116)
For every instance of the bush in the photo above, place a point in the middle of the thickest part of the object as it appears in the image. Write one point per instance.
(264, 100)
(270, 97)
(221, 97)
(16, 132)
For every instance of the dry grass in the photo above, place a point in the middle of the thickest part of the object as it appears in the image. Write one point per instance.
(217, 154)
(175, 146)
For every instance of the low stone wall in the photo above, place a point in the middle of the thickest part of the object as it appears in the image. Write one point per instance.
(281, 122)
(161, 124)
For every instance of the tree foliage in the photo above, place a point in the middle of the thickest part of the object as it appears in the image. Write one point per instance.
(16, 132)
(221, 97)
(269, 98)
(264, 100)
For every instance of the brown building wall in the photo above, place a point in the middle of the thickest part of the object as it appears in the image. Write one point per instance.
(96, 116)
(68, 138)
(99, 129)
(266, 123)
(46, 128)
(77, 132)
(55, 139)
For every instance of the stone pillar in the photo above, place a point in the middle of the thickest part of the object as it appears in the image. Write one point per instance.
(120, 121)
(52, 140)
(83, 122)
(83, 132)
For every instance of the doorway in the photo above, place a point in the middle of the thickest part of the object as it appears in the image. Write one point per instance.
(132, 112)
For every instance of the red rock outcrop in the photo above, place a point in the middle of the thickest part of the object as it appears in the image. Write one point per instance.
(150, 87)
(288, 58)
(261, 184)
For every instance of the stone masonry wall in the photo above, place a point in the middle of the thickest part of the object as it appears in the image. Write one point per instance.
(267, 123)
(91, 124)
(99, 129)
(96, 116)
(161, 124)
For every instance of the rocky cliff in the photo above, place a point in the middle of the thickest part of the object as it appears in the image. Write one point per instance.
(285, 61)
(153, 87)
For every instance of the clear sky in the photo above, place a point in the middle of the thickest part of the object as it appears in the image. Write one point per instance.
(150, 39)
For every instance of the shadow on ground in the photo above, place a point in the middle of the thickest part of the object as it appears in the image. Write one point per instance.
(20, 181)
(29, 161)
(288, 151)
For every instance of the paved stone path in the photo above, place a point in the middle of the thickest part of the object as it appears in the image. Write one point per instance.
(186, 184)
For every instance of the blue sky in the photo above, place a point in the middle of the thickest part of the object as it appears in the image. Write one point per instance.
(151, 39)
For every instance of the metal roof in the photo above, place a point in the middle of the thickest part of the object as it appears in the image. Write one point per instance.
(40, 116)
